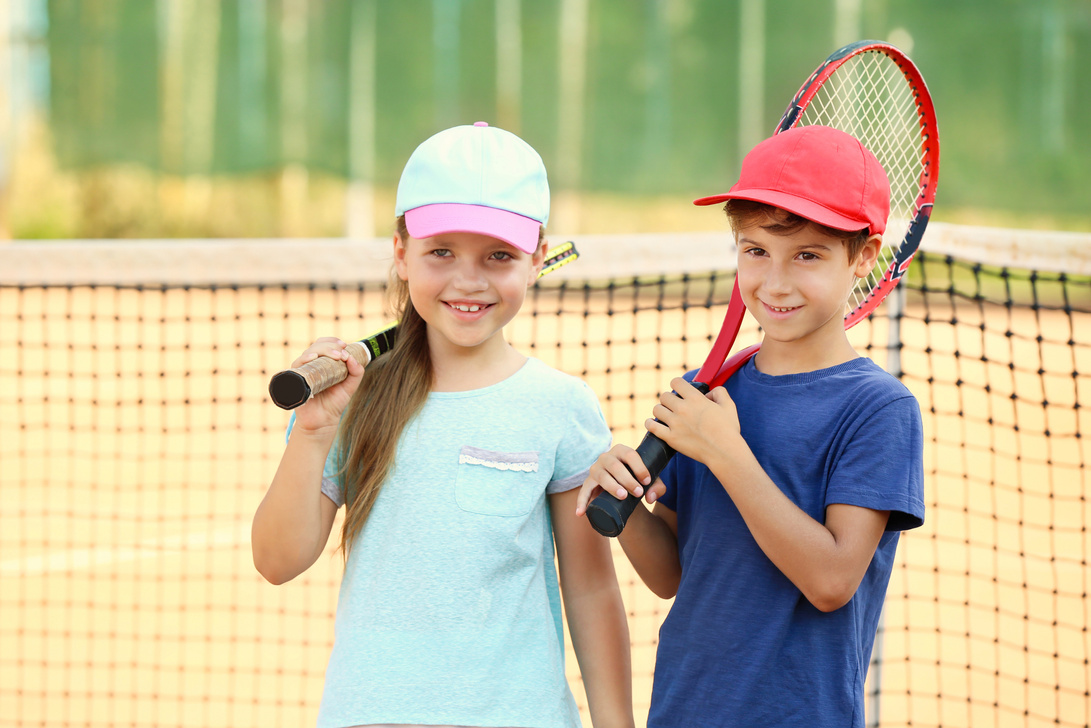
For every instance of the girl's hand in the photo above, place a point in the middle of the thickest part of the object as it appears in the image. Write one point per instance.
(694, 423)
(325, 408)
(619, 472)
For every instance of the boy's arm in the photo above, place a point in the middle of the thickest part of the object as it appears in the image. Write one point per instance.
(650, 538)
(650, 541)
(826, 561)
(596, 614)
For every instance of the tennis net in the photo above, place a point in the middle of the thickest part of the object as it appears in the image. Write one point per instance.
(137, 438)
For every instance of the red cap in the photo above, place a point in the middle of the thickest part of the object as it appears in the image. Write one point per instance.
(816, 172)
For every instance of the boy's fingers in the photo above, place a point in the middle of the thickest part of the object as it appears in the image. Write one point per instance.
(657, 428)
(681, 387)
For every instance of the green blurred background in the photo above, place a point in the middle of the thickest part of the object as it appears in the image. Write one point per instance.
(242, 118)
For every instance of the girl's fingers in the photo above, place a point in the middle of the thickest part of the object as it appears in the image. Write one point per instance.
(624, 482)
(588, 490)
(637, 467)
(656, 491)
(329, 346)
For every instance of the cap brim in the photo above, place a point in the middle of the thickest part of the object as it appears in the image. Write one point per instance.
(799, 205)
(431, 220)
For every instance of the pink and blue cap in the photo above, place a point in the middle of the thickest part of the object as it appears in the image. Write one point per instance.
(475, 179)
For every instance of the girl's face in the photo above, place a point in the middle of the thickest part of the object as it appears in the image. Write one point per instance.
(465, 286)
(797, 285)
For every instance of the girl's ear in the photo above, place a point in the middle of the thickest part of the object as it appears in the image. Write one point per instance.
(869, 253)
(399, 257)
(537, 260)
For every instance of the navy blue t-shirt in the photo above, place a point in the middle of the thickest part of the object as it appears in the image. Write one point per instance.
(741, 645)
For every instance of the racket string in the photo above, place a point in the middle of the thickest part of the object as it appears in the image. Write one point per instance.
(870, 97)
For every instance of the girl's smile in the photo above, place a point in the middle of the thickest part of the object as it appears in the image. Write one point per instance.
(466, 287)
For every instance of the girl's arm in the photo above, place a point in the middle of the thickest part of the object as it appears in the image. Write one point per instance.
(650, 538)
(595, 612)
(293, 522)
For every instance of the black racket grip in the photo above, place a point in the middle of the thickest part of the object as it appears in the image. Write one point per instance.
(607, 514)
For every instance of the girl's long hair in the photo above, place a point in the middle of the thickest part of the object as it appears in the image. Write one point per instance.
(393, 390)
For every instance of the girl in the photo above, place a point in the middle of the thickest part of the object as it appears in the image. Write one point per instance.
(443, 453)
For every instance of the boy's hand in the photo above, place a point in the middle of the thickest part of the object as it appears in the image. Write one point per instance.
(609, 474)
(325, 408)
(693, 423)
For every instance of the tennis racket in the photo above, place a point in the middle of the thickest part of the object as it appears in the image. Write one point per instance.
(293, 387)
(871, 90)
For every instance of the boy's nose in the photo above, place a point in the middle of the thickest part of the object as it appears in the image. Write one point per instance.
(777, 280)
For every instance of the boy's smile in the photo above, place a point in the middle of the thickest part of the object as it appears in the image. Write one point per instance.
(796, 285)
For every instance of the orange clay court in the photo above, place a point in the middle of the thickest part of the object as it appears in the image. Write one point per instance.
(137, 438)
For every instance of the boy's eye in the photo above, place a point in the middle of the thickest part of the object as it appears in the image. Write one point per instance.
(808, 256)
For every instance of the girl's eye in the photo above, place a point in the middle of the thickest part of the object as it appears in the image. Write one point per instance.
(502, 255)
(441, 253)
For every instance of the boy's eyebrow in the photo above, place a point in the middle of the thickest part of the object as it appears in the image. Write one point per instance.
(800, 246)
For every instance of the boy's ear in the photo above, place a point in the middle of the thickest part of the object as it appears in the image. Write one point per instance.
(869, 253)
(399, 257)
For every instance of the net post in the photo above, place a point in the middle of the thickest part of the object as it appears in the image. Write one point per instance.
(895, 304)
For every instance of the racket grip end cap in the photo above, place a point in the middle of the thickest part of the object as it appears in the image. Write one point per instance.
(289, 389)
(608, 515)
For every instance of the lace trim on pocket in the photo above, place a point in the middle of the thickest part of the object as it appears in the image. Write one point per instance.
(523, 462)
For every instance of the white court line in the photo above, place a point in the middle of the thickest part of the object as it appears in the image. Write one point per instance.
(81, 559)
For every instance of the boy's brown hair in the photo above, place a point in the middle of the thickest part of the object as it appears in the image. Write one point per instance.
(747, 213)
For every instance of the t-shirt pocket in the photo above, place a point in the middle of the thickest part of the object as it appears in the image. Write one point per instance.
(493, 483)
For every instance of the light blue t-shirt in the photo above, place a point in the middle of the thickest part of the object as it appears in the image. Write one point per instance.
(449, 611)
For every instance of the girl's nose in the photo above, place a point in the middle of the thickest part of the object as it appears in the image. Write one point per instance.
(471, 277)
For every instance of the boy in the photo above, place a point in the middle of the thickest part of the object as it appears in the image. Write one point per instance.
(775, 526)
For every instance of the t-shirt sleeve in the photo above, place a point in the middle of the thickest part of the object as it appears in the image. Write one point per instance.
(585, 436)
(331, 481)
(882, 465)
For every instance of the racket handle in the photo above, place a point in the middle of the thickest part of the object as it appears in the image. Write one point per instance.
(607, 514)
(292, 387)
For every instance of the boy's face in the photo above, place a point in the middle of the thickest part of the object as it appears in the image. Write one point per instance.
(797, 285)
